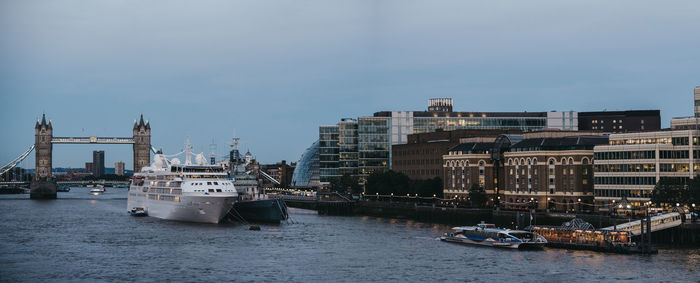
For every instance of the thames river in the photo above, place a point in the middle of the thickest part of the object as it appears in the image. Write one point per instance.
(82, 237)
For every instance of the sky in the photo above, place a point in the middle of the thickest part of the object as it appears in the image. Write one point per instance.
(271, 72)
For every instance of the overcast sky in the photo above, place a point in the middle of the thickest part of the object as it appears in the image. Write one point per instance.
(273, 71)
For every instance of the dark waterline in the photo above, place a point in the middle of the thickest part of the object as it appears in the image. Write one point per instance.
(83, 237)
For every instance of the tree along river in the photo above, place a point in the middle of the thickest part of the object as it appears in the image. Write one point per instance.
(84, 237)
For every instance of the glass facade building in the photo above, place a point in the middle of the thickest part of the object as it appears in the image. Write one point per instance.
(374, 145)
(347, 147)
(328, 153)
(306, 173)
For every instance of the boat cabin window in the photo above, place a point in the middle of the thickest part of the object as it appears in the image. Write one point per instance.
(218, 190)
(211, 190)
(502, 236)
(209, 183)
(216, 183)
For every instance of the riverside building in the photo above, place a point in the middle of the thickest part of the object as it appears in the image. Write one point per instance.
(377, 134)
(328, 153)
(472, 162)
(632, 164)
(551, 170)
(422, 156)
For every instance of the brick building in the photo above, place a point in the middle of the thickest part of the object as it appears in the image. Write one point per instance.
(422, 156)
(551, 171)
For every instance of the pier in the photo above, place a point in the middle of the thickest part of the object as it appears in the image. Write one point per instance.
(664, 234)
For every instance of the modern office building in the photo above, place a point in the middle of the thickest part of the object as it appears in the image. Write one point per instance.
(374, 145)
(551, 170)
(328, 153)
(98, 163)
(348, 147)
(620, 121)
(119, 168)
(88, 167)
(631, 164)
(422, 156)
(306, 173)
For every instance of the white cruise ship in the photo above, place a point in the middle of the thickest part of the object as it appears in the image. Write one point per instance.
(193, 193)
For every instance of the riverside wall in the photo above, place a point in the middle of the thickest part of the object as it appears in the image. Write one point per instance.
(684, 235)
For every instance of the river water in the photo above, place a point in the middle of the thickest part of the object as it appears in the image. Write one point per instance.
(82, 237)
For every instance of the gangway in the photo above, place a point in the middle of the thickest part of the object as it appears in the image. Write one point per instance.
(659, 222)
(16, 161)
(269, 178)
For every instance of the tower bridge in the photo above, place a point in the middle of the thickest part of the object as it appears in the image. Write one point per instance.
(43, 186)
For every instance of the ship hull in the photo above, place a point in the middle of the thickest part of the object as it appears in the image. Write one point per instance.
(202, 209)
(268, 210)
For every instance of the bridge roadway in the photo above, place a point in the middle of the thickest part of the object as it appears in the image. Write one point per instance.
(89, 140)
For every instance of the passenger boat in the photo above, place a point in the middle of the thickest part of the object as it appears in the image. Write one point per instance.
(192, 193)
(138, 212)
(489, 235)
(98, 189)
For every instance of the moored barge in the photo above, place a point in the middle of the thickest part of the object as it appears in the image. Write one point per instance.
(580, 235)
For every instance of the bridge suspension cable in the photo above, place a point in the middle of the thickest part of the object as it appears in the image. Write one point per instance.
(16, 161)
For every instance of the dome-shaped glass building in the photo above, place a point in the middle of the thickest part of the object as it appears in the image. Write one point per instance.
(306, 173)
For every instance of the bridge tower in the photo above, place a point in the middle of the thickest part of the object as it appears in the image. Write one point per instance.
(43, 133)
(142, 144)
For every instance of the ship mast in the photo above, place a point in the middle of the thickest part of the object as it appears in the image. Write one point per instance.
(188, 152)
